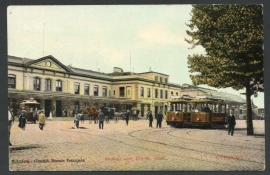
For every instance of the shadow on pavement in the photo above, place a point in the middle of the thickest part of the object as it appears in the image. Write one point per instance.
(15, 148)
(78, 128)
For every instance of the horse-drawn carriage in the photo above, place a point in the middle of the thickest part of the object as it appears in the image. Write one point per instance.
(29, 106)
(108, 112)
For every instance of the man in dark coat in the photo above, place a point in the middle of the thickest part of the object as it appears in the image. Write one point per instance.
(101, 118)
(127, 116)
(150, 116)
(159, 119)
(22, 119)
(231, 122)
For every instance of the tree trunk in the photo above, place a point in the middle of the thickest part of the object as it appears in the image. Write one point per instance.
(249, 109)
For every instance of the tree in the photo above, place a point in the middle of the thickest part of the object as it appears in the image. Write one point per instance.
(232, 36)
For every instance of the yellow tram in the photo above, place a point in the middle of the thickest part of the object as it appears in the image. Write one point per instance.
(200, 111)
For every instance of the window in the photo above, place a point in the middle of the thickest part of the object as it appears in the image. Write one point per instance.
(176, 93)
(171, 93)
(11, 81)
(114, 92)
(122, 91)
(76, 88)
(48, 83)
(156, 78)
(148, 92)
(95, 90)
(156, 93)
(166, 80)
(128, 91)
(86, 89)
(76, 105)
(104, 91)
(166, 94)
(161, 93)
(59, 85)
(161, 79)
(142, 92)
(36, 83)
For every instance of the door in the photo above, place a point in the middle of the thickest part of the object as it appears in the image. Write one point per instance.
(142, 110)
(48, 107)
(58, 108)
(156, 111)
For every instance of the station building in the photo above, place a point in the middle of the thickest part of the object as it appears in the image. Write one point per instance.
(58, 87)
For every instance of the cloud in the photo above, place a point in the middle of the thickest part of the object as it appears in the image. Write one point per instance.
(158, 34)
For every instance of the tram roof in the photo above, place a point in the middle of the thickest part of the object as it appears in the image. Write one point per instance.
(178, 101)
(208, 101)
(29, 102)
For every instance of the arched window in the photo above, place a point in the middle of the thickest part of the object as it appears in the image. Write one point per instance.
(95, 90)
(76, 88)
(104, 91)
(11, 81)
(36, 84)
(59, 85)
(48, 84)
(86, 89)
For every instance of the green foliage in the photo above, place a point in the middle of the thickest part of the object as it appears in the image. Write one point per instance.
(232, 36)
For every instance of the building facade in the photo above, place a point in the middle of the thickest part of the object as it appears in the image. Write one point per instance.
(58, 87)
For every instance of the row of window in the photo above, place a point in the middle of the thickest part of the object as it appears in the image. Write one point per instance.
(58, 86)
(156, 93)
(161, 79)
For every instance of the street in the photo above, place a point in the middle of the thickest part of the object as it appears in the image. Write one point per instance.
(135, 147)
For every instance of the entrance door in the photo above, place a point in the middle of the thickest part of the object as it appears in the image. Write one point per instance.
(48, 107)
(156, 111)
(142, 110)
(58, 108)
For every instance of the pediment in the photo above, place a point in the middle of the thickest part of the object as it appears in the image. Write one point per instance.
(49, 63)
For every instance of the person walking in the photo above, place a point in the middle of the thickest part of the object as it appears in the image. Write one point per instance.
(127, 116)
(231, 123)
(159, 119)
(150, 116)
(77, 118)
(10, 122)
(101, 117)
(22, 119)
(41, 120)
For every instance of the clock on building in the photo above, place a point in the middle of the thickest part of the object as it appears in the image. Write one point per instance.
(48, 63)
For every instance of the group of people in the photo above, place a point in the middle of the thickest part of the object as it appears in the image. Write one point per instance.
(37, 115)
(159, 118)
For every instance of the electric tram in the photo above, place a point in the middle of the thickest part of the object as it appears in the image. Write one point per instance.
(200, 111)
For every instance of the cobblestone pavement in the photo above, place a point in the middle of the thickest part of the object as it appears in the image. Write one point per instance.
(135, 147)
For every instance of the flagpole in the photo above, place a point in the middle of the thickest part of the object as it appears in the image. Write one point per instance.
(43, 37)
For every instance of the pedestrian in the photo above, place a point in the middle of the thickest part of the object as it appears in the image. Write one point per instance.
(150, 116)
(231, 122)
(101, 117)
(10, 122)
(77, 117)
(22, 119)
(127, 116)
(41, 120)
(35, 115)
(159, 119)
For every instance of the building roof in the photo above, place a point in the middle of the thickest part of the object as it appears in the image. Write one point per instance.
(223, 95)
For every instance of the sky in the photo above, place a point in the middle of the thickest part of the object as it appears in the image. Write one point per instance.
(136, 38)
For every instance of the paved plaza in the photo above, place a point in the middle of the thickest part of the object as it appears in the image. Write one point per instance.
(135, 147)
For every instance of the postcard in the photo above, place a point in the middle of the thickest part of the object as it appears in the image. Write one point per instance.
(136, 88)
